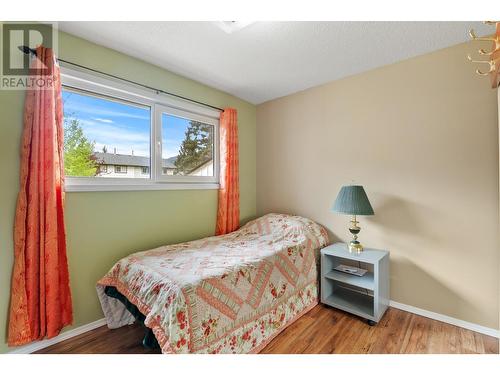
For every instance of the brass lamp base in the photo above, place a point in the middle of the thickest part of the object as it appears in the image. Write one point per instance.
(355, 246)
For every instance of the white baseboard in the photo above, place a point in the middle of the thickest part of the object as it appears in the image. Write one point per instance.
(446, 319)
(38, 345)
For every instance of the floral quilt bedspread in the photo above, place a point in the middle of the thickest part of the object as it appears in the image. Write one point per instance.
(224, 294)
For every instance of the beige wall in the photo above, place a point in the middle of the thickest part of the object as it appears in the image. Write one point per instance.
(422, 137)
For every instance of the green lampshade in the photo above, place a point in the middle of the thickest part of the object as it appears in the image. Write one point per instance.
(352, 200)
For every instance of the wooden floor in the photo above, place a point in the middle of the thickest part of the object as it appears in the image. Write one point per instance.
(322, 330)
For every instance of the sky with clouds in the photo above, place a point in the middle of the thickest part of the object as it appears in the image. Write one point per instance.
(122, 126)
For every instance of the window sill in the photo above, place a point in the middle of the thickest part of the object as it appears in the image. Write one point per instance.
(75, 187)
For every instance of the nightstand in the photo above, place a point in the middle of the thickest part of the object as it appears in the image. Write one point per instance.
(366, 296)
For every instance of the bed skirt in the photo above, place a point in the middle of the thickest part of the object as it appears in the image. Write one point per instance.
(253, 335)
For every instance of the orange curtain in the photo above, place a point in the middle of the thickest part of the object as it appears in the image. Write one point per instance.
(40, 304)
(228, 212)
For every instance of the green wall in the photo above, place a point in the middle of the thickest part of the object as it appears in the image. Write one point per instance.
(102, 227)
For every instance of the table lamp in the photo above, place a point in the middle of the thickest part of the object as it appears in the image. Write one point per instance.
(352, 200)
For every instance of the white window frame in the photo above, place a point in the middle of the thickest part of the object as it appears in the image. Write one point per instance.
(159, 103)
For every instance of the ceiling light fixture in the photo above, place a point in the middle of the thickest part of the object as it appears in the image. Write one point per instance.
(232, 26)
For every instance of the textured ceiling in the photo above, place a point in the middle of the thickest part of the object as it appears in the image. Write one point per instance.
(266, 60)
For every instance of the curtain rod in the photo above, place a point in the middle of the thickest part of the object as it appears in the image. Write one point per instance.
(27, 50)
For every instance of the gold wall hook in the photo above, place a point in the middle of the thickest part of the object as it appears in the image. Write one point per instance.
(492, 69)
(473, 35)
(483, 52)
(469, 57)
(493, 56)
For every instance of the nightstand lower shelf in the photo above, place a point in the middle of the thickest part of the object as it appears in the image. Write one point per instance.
(351, 301)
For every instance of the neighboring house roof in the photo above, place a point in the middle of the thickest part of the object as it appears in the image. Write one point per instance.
(107, 158)
(196, 169)
(169, 162)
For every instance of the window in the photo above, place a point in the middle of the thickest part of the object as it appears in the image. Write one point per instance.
(187, 146)
(119, 137)
(120, 169)
(101, 131)
(168, 171)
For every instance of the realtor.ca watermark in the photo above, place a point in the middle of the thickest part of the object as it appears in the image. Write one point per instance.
(21, 68)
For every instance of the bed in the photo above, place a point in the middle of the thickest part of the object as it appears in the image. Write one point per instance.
(225, 294)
